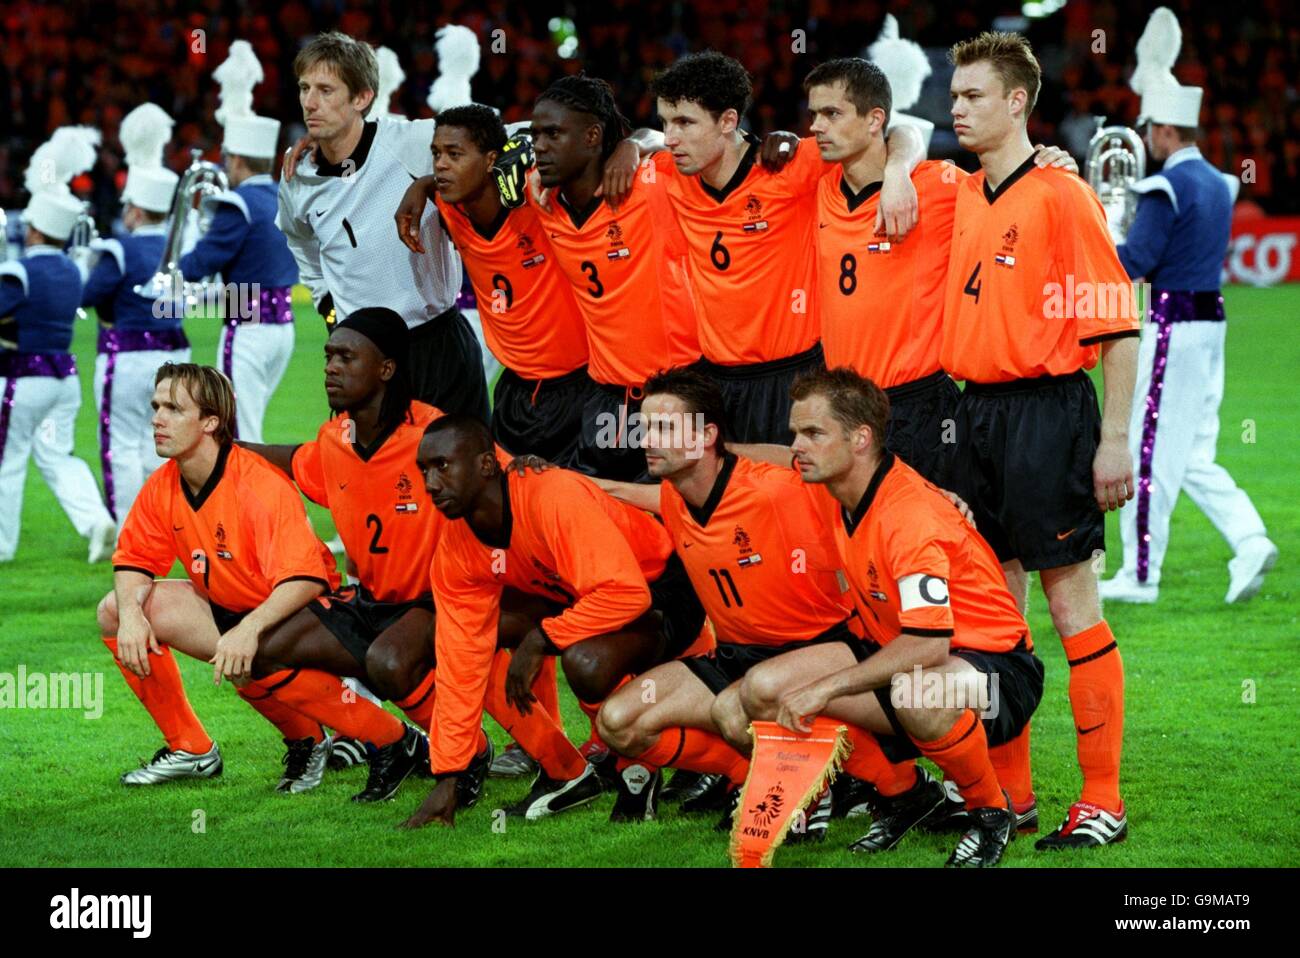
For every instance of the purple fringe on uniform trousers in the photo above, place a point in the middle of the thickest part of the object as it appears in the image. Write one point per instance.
(1167, 308)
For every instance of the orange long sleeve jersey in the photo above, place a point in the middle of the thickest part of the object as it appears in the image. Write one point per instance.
(562, 539)
(243, 534)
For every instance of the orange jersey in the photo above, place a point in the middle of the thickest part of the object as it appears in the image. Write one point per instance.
(627, 267)
(916, 565)
(752, 256)
(1034, 283)
(882, 301)
(245, 533)
(759, 554)
(376, 496)
(563, 539)
(530, 321)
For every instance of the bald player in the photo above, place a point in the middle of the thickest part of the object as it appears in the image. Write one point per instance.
(251, 561)
(360, 467)
(621, 604)
(1036, 295)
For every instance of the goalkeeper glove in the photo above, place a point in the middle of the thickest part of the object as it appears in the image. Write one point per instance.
(511, 170)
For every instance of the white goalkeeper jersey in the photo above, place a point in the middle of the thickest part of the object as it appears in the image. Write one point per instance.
(338, 220)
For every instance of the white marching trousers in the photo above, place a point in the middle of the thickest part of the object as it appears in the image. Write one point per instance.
(126, 450)
(1188, 380)
(491, 365)
(38, 419)
(254, 357)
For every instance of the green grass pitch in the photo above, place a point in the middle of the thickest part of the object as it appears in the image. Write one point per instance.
(1210, 754)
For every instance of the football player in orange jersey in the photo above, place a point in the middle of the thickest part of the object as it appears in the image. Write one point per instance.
(882, 297)
(755, 543)
(625, 258)
(252, 562)
(530, 320)
(1037, 296)
(620, 601)
(953, 668)
(381, 628)
(750, 235)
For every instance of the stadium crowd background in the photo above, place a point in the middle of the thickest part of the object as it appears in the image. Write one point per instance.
(91, 61)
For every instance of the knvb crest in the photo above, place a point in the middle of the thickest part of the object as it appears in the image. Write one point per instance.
(222, 552)
(614, 234)
(741, 541)
(768, 810)
(1009, 239)
(753, 207)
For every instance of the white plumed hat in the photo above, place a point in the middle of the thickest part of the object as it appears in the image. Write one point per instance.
(458, 59)
(1164, 100)
(144, 134)
(53, 209)
(905, 66)
(391, 76)
(246, 133)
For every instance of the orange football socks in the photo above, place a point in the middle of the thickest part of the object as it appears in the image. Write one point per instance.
(162, 694)
(1097, 700)
(869, 763)
(963, 754)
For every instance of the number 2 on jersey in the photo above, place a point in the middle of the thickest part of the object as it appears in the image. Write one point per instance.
(375, 547)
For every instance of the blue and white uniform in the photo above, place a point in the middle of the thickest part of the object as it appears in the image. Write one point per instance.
(40, 393)
(1178, 241)
(137, 334)
(247, 249)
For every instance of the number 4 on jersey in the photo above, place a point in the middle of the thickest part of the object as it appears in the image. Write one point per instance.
(972, 287)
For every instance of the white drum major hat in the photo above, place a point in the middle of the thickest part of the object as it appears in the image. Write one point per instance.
(246, 133)
(1164, 100)
(905, 66)
(53, 210)
(144, 135)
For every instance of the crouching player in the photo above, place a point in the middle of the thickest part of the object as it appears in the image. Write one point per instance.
(934, 602)
(252, 561)
(621, 604)
(754, 540)
(360, 467)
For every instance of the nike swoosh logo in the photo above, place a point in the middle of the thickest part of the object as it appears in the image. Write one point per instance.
(821, 226)
(343, 485)
(1062, 536)
(200, 767)
(687, 545)
(1085, 731)
(321, 212)
(177, 528)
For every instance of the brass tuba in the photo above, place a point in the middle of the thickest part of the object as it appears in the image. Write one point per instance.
(1117, 159)
(203, 180)
(84, 232)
